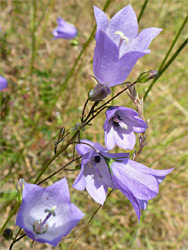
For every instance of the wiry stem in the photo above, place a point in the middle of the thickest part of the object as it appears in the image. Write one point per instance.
(89, 221)
(163, 67)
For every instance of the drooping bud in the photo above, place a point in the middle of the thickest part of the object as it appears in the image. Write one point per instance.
(8, 234)
(99, 92)
(146, 76)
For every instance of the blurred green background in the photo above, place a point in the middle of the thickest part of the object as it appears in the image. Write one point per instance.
(36, 105)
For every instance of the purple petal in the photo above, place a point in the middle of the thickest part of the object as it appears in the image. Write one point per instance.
(124, 138)
(3, 83)
(119, 156)
(123, 67)
(143, 204)
(64, 30)
(94, 185)
(104, 173)
(79, 182)
(143, 186)
(84, 149)
(109, 137)
(127, 111)
(129, 195)
(109, 114)
(125, 20)
(101, 19)
(159, 174)
(136, 123)
(105, 54)
(145, 37)
(60, 21)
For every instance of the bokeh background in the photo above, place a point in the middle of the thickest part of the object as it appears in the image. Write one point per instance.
(37, 103)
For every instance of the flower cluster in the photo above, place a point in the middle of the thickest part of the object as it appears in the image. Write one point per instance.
(47, 214)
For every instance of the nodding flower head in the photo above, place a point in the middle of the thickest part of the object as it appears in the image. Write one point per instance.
(64, 30)
(120, 125)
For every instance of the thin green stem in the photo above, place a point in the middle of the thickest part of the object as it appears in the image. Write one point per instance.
(43, 15)
(119, 93)
(9, 217)
(166, 66)
(78, 158)
(102, 107)
(54, 157)
(89, 221)
(173, 43)
(142, 10)
(33, 47)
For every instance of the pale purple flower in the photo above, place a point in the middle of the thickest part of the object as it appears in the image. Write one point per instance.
(120, 125)
(137, 182)
(118, 45)
(3, 83)
(100, 170)
(64, 30)
(47, 214)
(94, 175)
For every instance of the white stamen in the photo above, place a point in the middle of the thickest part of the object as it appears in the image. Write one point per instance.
(123, 125)
(122, 37)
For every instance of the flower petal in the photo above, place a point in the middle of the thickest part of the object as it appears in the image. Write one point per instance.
(104, 173)
(94, 185)
(123, 67)
(129, 195)
(83, 148)
(109, 136)
(143, 186)
(145, 37)
(125, 20)
(101, 19)
(143, 204)
(105, 54)
(79, 182)
(159, 174)
(3, 83)
(137, 124)
(64, 30)
(124, 138)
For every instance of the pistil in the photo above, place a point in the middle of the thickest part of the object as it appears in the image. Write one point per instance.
(40, 226)
(122, 38)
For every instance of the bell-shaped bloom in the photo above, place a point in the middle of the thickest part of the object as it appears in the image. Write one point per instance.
(3, 83)
(100, 170)
(137, 182)
(118, 45)
(120, 125)
(47, 214)
(64, 30)
(94, 176)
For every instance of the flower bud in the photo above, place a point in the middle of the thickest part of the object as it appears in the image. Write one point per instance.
(99, 92)
(8, 234)
(146, 76)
